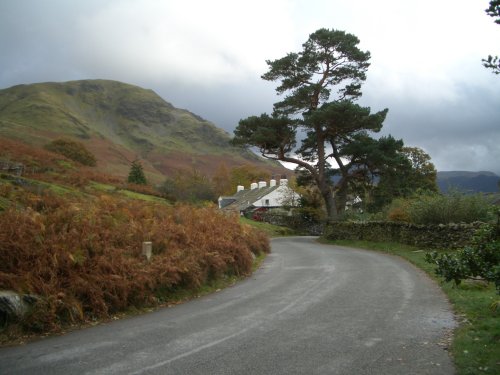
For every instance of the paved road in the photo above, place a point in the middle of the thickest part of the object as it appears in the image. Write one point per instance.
(311, 309)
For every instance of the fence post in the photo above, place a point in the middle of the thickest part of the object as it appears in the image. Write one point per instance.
(147, 247)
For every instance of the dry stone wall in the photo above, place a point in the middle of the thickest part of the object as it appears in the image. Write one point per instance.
(442, 236)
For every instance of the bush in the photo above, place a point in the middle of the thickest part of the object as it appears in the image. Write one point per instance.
(479, 260)
(73, 150)
(441, 209)
(188, 186)
(34, 159)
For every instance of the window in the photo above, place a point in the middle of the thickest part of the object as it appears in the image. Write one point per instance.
(266, 202)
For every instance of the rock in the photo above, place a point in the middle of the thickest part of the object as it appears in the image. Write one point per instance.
(14, 306)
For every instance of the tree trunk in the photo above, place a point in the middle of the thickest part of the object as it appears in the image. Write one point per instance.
(331, 207)
(341, 198)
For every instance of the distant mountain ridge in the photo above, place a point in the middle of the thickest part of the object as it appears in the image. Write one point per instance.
(119, 122)
(468, 182)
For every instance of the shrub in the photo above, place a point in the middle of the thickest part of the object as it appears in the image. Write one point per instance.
(479, 260)
(34, 159)
(73, 150)
(188, 186)
(399, 210)
(441, 209)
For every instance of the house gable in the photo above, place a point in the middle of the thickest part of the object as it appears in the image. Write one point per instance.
(259, 195)
(276, 197)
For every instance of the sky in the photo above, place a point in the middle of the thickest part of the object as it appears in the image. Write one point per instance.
(208, 56)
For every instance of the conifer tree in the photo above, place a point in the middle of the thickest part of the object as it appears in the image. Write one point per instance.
(136, 174)
(320, 83)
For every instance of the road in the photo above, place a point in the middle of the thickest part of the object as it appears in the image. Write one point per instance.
(310, 309)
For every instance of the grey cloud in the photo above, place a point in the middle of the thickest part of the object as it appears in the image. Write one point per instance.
(452, 112)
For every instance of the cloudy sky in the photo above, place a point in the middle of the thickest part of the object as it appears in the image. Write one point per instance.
(208, 56)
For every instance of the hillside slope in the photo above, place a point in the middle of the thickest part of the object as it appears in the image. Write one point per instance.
(469, 182)
(119, 122)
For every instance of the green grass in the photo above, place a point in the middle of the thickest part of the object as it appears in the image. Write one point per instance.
(38, 186)
(128, 193)
(271, 230)
(4, 203)
(101, 187)
(476, 342)
(142, 197)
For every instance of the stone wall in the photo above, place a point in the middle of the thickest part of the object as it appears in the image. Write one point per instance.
(298, 223)
(442, 236)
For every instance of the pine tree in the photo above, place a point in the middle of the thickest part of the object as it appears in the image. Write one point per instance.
(136, 174)
(320, 82)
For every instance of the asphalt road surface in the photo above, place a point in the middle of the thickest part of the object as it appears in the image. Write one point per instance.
(310, 309)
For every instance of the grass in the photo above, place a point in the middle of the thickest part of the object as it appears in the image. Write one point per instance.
(102, 187)
(127, 193)
(270, 229)
(143, 197)
(38, 186)
(476, 342)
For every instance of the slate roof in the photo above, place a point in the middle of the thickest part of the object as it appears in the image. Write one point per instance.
(245, 198)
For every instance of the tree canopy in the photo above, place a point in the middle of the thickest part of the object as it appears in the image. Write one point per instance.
(318, 126)
(493, 10)
(320, 84)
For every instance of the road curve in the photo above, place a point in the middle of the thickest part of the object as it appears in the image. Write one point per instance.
(310, 309)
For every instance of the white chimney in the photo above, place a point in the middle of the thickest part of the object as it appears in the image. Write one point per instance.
(240, 188)
(254, 186)
(272, 183)
(262, 184)
(283, 182)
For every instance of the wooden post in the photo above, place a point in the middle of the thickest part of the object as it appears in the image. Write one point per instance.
(147, 248)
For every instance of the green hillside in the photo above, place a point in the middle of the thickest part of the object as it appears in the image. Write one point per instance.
(119, 122)
(468, 182)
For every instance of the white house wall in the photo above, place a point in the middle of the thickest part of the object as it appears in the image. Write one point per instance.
(276, 197)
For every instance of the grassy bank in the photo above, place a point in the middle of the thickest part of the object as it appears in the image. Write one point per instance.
(476, 342)
(270, 229)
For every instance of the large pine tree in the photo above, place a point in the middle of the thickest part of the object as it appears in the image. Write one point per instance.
(321, 83)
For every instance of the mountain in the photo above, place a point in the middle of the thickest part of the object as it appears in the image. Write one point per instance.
(119, 122)
(469, 182)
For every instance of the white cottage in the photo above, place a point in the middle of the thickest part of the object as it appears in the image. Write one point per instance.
(260, 196)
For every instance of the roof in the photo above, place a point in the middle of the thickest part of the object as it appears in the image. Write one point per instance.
(246, 198)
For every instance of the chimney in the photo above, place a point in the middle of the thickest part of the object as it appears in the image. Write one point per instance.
(283, 182)
(272, 183)
(254, 186)
(262, 184)
(240, 188)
